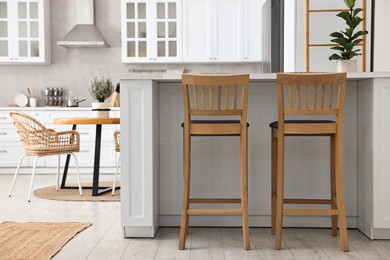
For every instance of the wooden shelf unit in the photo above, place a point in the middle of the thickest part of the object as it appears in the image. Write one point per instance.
(308, 44)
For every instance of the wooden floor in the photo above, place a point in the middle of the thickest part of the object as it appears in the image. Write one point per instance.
(103, 240)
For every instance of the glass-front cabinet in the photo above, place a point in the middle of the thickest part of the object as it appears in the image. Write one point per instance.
(152, 31)
(24, 31)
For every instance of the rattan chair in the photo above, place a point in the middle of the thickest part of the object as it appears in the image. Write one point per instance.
(117, 140)
(39, 141)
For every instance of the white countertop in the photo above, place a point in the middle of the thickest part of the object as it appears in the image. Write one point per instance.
(53, 108)
(253, 77)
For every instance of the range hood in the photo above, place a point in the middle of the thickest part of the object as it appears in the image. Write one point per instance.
(85, 33)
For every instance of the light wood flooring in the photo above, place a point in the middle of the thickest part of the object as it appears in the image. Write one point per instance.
(103, 240)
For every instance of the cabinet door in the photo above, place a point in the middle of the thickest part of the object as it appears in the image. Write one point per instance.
(227, 30)
(212, 30)
(167, 30)
(27, 37)
(253, 35)
(197, 33)
(5, 31)
(136, 38)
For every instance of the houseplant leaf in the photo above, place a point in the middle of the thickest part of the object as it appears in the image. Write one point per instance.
(348, 39)
(350, 3)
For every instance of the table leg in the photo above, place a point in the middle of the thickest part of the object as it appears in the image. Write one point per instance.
(66, 166)
(96, 165)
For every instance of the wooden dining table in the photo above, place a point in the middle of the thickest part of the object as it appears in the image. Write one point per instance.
(96, 190)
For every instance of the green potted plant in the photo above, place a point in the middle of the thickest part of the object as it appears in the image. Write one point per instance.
(349, 39)
(100, 89)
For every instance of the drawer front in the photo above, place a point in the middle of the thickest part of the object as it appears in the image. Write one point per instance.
(86, 156)
(8, 134)
(10, 155)
(50, 115)
(5, 118)
(38, 115)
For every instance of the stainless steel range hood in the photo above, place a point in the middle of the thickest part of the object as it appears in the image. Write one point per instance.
(85, 33)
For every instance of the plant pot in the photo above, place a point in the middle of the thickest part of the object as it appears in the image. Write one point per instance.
(101, 113)
(347, 65)
(100, 105)
(100, 109)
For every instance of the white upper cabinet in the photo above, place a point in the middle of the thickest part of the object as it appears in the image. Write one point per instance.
(197, 38)
(212, 30)
(191, 30)
(25, 31)
(151, 31)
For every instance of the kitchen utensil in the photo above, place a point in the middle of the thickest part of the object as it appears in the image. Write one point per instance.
(19, 100)
(74, 102)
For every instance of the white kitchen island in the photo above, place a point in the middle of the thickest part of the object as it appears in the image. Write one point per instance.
(151, 148)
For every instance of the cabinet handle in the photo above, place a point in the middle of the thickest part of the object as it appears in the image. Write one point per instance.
(84, 133)
(3, 151)
(3, 117)
(84, 151)
(3, 133)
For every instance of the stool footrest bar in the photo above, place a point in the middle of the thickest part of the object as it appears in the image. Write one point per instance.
(214, 211)
(310, 212)
(209, 200)
(307, 201)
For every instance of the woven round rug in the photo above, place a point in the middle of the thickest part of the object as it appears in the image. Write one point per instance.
(51, 193)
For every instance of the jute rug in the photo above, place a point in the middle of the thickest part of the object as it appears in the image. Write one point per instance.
(51, 193)
(36, 240)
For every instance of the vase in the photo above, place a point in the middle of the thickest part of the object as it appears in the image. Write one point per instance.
(347, 65)
(100, 109)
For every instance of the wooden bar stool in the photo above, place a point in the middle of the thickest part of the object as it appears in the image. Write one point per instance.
(218, 96)
(306, 94)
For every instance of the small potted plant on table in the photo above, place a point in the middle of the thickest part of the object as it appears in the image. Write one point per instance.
(101, 89)
(348, 40)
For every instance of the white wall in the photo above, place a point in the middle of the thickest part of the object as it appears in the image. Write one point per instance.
(382, 36)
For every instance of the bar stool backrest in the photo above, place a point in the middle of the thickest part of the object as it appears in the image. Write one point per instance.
(215, 95)
(311, 94)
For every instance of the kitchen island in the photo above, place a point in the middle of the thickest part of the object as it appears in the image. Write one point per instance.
(152, 164)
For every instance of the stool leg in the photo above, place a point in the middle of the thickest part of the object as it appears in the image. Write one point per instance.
(333, 184)
(279, 193)
(244, 188)
(186, 190)
(340, 192)
(274, 163)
